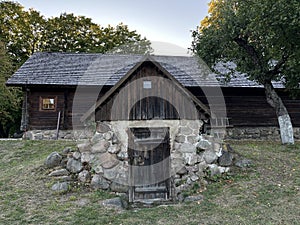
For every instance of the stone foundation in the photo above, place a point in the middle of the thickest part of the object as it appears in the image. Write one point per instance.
(258, 133)
(102, 161)
(63, 134)
(236, 133)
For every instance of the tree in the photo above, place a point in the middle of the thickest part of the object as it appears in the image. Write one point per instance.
(70, 33)
(262, 39)
(121, 40)
(25, 32)
(20, 30)
(9, 98)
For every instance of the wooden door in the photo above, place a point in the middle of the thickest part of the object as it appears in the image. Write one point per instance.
(149, 160)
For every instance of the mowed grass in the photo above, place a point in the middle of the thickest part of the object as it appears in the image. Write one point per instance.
(266, 193)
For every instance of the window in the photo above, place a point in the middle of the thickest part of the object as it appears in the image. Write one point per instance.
(48, 103)
(147, 84)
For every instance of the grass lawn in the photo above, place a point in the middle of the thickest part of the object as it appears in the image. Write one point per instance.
(266, 193)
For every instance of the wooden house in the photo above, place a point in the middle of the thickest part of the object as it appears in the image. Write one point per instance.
(150, 111)
(51, 83)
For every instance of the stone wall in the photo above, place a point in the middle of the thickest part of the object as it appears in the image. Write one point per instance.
(102, 160)
(236, 133)
(62, 134)
(258, 133)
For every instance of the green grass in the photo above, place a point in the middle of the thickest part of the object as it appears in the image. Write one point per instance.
(266, 193)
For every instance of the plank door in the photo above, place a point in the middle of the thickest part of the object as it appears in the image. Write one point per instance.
(149, 160)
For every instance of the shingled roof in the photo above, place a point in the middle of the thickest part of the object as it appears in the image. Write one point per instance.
(72, 69)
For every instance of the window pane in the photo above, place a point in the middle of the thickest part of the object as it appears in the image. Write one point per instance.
(147, 84)
(48, 103)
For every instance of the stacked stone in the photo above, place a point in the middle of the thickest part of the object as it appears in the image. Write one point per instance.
(98, 161)
(102, 161)
(258, 133)
(255, 133)
(103, 154)
(57, 163)
(195, 154)
(62, 134)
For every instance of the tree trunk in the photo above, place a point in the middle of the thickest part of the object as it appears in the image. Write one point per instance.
(284, 120)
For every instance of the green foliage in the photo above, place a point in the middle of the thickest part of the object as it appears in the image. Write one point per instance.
(25, 32)
(20, 30)
(122, 40)
(9, 98)
(261, 37)
(70, 33)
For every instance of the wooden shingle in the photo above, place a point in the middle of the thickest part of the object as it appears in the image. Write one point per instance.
(72, 69)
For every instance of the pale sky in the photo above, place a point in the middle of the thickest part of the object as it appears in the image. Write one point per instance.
(158, 20)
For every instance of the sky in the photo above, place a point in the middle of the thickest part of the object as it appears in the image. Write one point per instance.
(165, 22)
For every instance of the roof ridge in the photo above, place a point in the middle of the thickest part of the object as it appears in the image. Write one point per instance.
(173, 56)
(67, 53)
(110, 54)
(87, 53)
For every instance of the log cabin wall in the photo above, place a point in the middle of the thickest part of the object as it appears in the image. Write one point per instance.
(44, 119)
(247, 107)
(64, 96)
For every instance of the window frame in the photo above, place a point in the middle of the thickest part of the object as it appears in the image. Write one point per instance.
(147, 84)
(41, 105)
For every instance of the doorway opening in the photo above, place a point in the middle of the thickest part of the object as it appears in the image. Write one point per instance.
(149, 163)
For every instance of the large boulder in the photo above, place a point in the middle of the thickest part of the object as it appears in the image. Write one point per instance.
(108, 160)
(98, 182)
(191, 158)
(113, 203)
(111, 174)
(116, 187)
(53, 160)
(84, 147)
(226, 159)
(214, 170)
(97, 137)
(180, 138)
(194, 198)
(77, 155)
(210, 157)
(84, 176)
(182, 171)
(60, 187)
(59, 173)
(74, 166)
(242, 163)
(102, 127)
(100, 147)
(187, 148)
(204, 145)
(86, 157)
